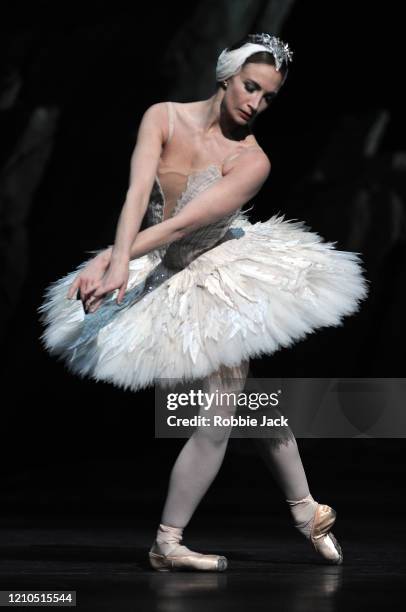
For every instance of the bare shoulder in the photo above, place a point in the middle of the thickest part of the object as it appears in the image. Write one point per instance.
(155, 119)
(251, 160)
(156, 110)
(163, 113)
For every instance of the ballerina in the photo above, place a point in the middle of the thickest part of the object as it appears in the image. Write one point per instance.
(201, 290)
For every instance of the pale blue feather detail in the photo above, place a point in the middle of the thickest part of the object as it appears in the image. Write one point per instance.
(237, 232)
(95, 321)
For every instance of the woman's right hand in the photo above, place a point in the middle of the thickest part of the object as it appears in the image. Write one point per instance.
(89, 278)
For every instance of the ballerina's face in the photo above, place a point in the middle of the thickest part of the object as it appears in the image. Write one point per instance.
(251, 91)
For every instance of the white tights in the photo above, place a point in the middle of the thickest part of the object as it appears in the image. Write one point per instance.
(202, 455)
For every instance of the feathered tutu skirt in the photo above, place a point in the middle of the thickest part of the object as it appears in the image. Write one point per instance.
(269, 286)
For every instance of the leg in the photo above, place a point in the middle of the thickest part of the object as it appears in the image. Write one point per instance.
(200, 459)
(312, 519)
(284, 462)
(195, 469)
(281, 456)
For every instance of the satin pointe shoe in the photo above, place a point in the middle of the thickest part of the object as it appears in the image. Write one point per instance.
(322, 538)
(181, 558)
(169, 555)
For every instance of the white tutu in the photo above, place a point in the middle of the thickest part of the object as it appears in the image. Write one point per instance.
(244, 298)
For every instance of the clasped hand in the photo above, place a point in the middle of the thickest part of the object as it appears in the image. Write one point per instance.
(98, 278)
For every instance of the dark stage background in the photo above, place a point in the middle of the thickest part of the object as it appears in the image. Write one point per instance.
(75, 81)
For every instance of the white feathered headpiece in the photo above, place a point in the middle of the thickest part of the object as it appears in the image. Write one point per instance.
(230, 62)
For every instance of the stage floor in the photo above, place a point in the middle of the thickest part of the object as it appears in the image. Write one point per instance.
(271, 566)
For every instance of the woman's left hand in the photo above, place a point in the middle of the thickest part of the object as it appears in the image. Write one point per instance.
(116, 277)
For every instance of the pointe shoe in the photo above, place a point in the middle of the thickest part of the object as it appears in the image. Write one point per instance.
(181, 558)
(322, 538)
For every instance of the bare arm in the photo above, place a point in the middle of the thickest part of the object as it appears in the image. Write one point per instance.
(152, 135)
(228, 194)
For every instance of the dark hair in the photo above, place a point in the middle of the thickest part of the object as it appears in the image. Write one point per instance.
(260, 57)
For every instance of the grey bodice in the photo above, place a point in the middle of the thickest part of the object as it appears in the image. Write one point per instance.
(180, 253)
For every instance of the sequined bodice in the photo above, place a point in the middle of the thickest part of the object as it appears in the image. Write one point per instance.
(180, 253)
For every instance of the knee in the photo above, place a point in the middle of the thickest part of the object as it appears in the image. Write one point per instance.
(216, 432)
(274, 444)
